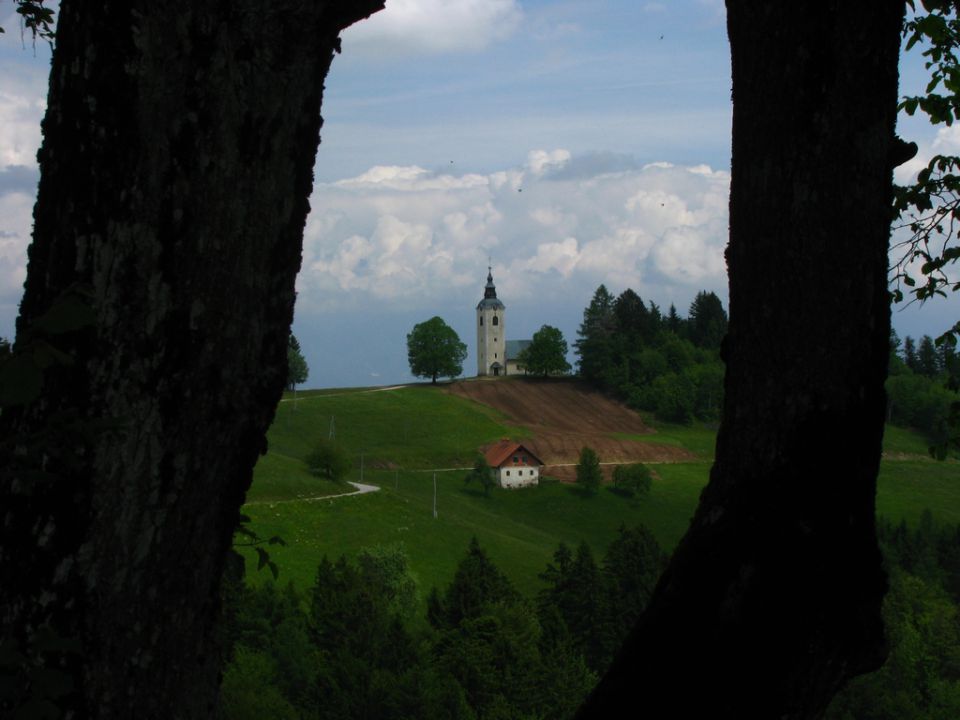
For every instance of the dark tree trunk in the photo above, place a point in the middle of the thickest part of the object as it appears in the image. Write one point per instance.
(176, 167)
(772, 600)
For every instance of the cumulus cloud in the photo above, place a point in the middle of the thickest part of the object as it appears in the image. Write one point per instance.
(16, 212)
(422, 239)
(433, 27)
(22, 104)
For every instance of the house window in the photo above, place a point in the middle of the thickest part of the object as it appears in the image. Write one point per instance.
(481, 319)
(496, 320)
(514, 458)
(508, 473)
(531, 472)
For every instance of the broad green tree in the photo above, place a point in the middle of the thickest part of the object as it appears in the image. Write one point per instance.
(589, 475)
(328, 460)
(434, 350)
(634, 479)
(482, 474)
(546, 354)
(297, 370)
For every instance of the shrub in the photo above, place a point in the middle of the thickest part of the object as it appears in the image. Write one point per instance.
(328, 460)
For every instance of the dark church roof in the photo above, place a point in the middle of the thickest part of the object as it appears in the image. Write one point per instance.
(515, 347)
(490, 295)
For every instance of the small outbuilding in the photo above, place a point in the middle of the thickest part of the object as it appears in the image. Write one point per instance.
(514, 464)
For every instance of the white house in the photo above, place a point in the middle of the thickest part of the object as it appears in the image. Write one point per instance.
(514, 464)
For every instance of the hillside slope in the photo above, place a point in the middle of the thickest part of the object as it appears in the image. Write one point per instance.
(563, 416)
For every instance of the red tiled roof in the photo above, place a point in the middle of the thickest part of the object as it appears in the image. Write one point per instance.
(501, 451)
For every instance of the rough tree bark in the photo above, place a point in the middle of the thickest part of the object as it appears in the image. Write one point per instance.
(176, 167)
(772, 600)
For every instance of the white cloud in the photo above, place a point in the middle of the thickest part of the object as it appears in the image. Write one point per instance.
(22, 104)
(432, 27)
(539, 161)
(16, 213)
(422, 239)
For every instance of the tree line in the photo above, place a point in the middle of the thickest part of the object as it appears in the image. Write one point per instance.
(922, 387)
(354, 646)
(663, 363)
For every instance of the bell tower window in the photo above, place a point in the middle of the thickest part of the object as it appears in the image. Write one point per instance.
(496, 320)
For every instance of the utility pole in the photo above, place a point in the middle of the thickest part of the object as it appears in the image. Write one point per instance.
(333, 427)
(361, 467)
(434, 496)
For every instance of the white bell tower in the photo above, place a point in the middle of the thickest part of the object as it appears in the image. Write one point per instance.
(491, 340)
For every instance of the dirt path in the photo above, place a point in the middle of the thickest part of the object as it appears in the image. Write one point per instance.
(353, 392)
(361, 489)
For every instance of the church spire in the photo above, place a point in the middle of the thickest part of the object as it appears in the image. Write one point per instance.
(490, 291)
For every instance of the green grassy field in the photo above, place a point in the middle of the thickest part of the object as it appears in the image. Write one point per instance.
(403, 434)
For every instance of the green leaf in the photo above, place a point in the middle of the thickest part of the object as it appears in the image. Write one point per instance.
(264, 557)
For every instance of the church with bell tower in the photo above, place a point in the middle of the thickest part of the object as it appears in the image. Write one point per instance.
(491, 338)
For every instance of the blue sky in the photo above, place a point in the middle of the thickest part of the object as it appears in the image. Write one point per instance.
(572, 143)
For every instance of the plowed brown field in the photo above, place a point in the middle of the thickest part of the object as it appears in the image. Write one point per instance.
(563, 416)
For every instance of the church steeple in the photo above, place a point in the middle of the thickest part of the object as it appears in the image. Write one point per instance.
(491, 342)
(490, 291)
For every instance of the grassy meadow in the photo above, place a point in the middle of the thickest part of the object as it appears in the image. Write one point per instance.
(404, 434)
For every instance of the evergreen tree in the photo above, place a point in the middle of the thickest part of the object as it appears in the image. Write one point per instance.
(594, 343)
(675, 323)
(707, 322)
(928, 360)
(477, 584)
(910, 354)
(632, 565)
(633, 318)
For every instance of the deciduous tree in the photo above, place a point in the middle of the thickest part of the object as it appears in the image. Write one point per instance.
(772, 599)
(547, 353)
(297, 370)
(589, 474)
(434, 350)
(328, 460)
(177, 162)
(482, 474)
(634, 479)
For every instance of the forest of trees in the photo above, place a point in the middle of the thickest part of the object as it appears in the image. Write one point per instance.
(354, 646)
(922, 387)
(666, 364)
(921, 613)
